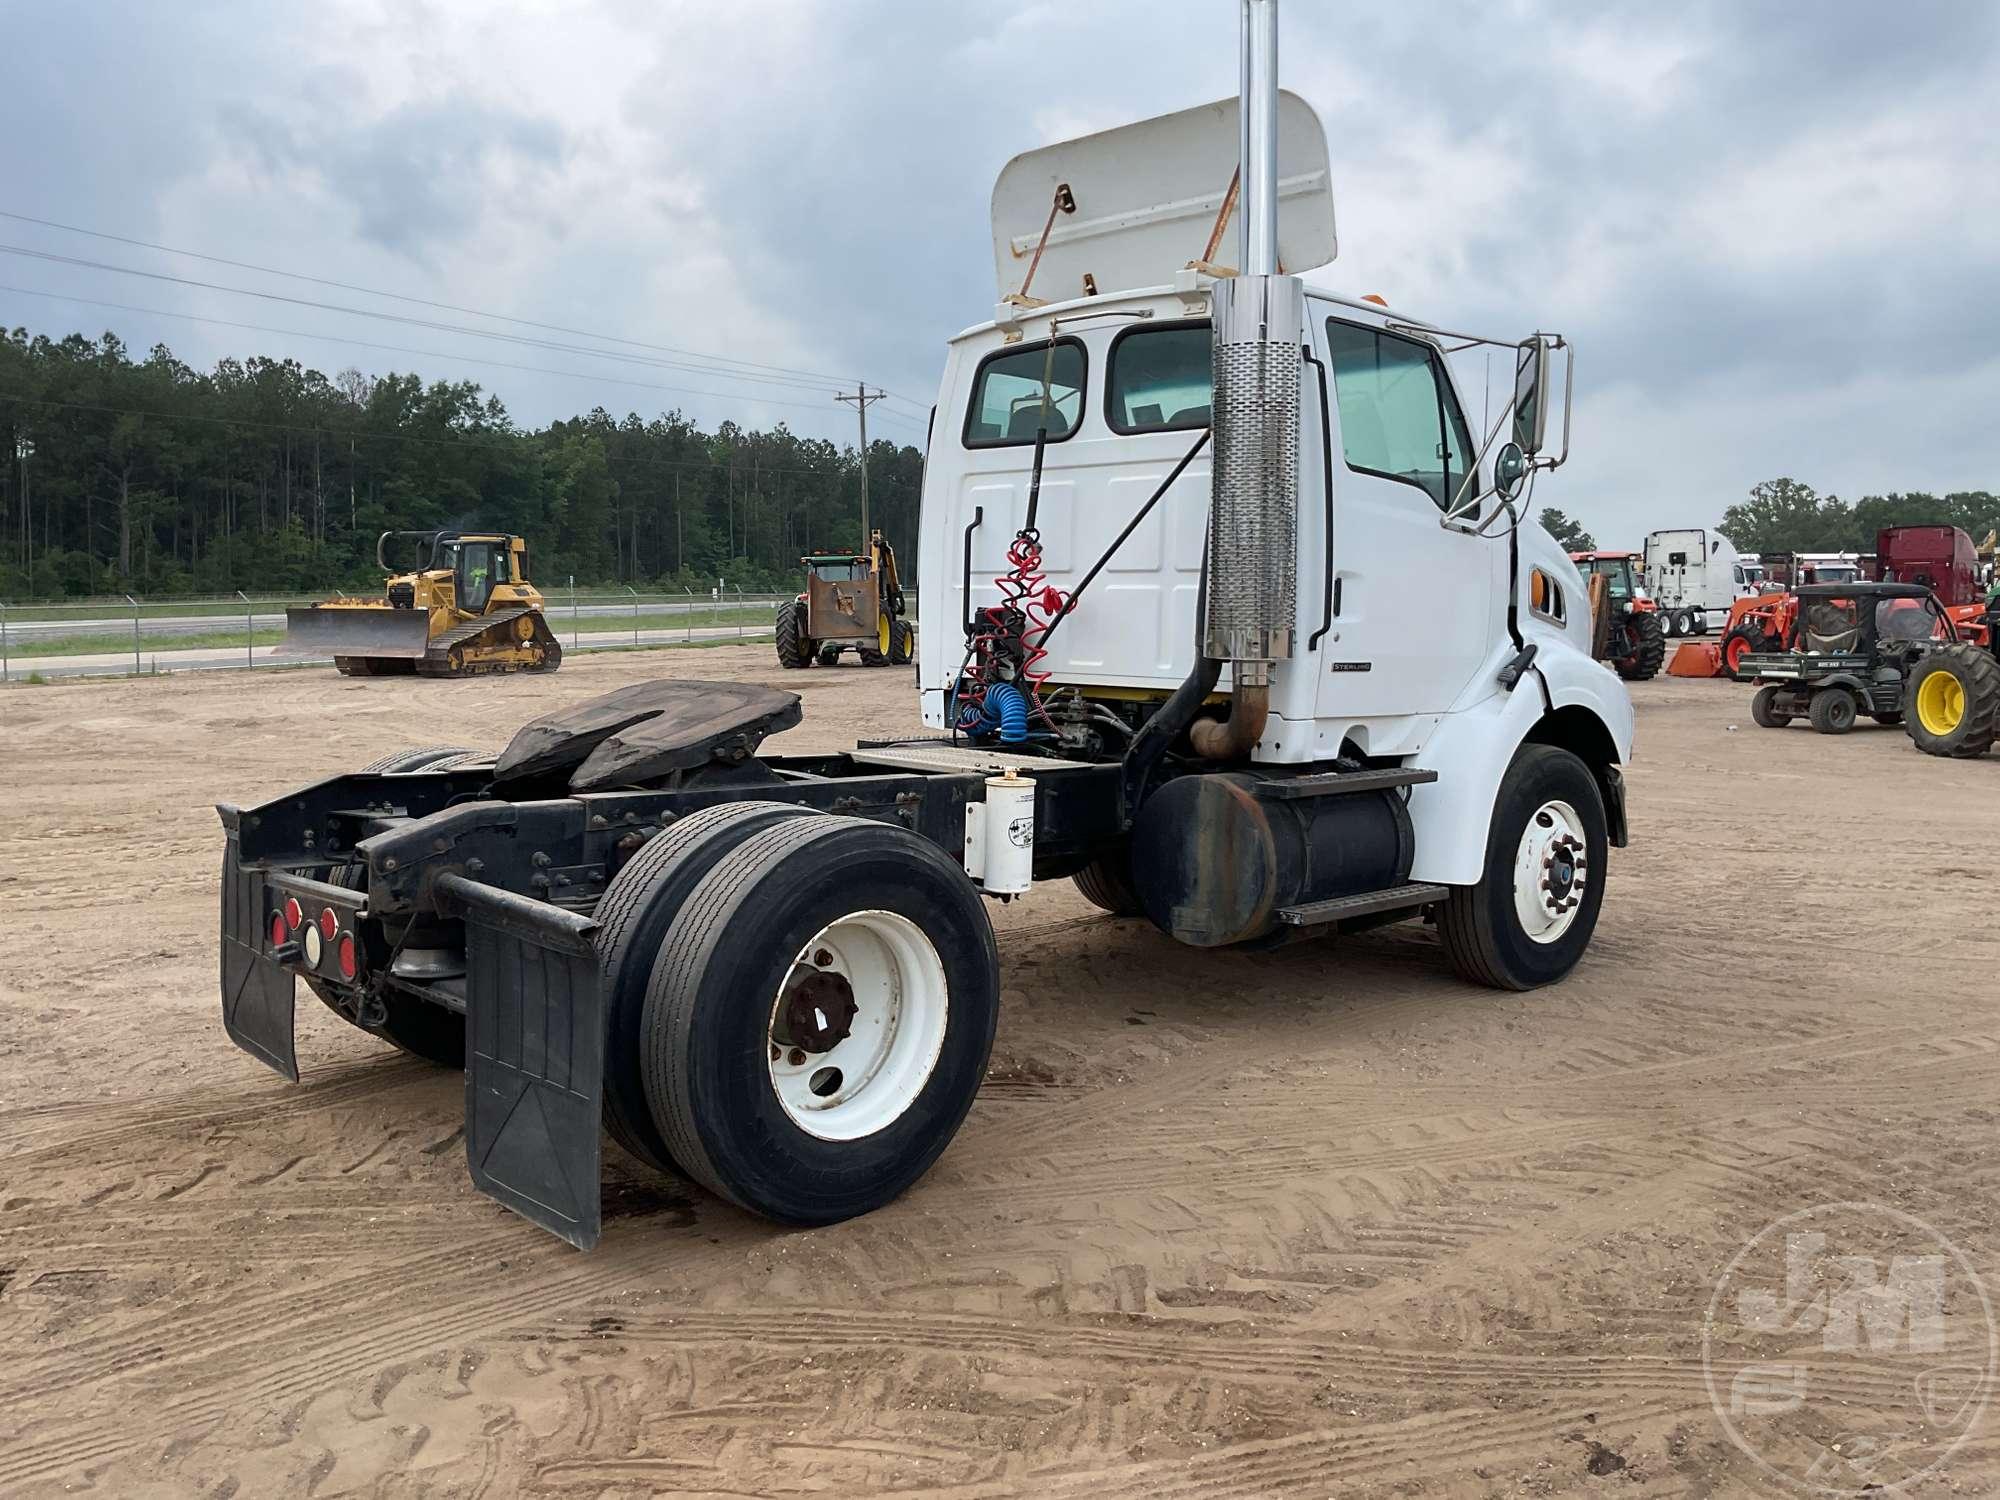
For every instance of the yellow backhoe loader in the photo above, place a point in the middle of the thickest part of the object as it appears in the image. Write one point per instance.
(853, 602)
(465, 607)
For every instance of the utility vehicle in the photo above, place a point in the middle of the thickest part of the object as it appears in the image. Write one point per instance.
(1240, 629)
(1851, 651)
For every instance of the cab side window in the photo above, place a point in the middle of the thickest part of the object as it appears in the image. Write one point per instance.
(1398, 417)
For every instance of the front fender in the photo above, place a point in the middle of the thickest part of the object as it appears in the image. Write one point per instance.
(1564, 699)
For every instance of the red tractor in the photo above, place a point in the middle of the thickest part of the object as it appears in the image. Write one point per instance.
(1627, 633)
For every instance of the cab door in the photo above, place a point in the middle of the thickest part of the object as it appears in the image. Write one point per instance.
(1414, 616)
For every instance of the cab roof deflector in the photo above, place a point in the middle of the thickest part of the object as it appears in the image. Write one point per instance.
(1146, 201)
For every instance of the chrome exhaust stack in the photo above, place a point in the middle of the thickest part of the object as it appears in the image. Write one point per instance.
(1257, 314)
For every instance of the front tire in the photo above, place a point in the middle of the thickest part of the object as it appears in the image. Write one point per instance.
(1740, 642)
(1530, 917)
(821, 1018)
(1833, 710)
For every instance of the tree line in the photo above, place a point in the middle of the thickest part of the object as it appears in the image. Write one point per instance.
(146, 476)
(1785, 515)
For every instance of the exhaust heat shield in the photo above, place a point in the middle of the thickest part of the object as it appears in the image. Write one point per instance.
(1253, 514)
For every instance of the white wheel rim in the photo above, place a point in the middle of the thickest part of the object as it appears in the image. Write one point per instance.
(1551, 872)
(862, 1081)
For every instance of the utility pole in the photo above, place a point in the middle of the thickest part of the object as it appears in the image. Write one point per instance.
(862, 399)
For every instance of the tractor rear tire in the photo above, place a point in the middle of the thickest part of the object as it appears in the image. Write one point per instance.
(1649, 647)
(1832, 710)
(638, 907)
(1546, 795)
(414, 1026)
(1952, 702)
(902, 642)
(1106, 883)
(909, 995)
(794, 649)
(1764, 710)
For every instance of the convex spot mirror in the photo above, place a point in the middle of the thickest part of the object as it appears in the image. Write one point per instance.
(1531, 395)
(1510, 469)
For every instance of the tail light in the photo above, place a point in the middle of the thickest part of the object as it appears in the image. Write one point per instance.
(346, 957)
(329, 923)
(279, 931)
(294, 914)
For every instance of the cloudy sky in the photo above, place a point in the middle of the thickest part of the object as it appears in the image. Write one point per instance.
(1772, 230)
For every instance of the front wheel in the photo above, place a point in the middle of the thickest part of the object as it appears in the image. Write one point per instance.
(1832, 710)
(820, 1018)
(1528, 920)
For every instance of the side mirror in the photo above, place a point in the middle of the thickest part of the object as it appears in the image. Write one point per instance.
(1510, 469)
(1531, 395)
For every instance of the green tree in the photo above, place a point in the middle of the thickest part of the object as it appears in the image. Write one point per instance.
(1569, 535)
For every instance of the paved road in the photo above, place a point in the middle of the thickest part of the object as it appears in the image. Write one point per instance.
(267, 619)
(208, 658)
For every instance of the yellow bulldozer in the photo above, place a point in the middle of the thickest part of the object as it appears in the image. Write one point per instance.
(464, 607)
(853, 602)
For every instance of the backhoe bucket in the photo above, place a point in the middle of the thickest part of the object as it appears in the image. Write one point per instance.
(334, 630)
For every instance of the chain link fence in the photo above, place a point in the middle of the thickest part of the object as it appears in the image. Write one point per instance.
(134, 636)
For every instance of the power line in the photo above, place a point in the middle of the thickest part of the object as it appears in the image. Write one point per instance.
(348, 286)
(499, 364)
(779, 381)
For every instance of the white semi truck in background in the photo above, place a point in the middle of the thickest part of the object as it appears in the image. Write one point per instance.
(1694, 575)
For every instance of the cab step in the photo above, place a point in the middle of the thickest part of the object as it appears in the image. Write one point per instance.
(1367, 904)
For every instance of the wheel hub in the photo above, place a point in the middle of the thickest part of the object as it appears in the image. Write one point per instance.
(817, 1011)
(1551, 872)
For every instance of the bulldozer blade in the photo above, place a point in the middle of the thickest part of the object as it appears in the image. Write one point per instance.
(325, 631)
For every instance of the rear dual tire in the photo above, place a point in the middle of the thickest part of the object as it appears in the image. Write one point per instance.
(735, 1092)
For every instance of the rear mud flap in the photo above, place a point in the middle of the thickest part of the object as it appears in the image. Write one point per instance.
(534, 1057)
(257, 994)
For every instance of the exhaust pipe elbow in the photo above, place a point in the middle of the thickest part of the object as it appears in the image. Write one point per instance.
(1233, 738)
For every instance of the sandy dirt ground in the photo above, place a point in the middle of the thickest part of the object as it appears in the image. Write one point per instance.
(1323, 1221)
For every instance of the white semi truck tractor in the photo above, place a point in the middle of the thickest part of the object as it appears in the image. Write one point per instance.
(1229, 616)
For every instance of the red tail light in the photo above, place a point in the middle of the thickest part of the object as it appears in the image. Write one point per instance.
(294, 914)
(347, 956)
(279, 932)
(329, 923)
